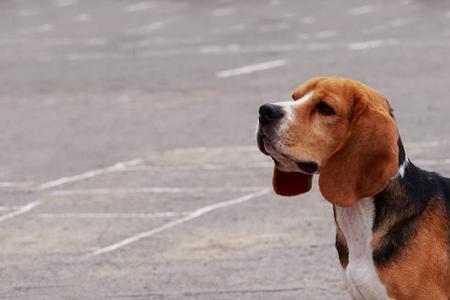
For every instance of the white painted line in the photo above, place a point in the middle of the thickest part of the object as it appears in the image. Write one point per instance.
(308, 20)
(213, 150)
(228, 30)
(325, 34)
(365, 45)
(391, 24)
(146, 28)
(294, 47)
(10, 208)
(20, 211)
(28, 13)
(225, 11)
(275, 2)
(61, 181)
(140, 6)
(62, 3)
(252, 68)
(96, 41)
(371, 44)
(178, 51)
(190, 217)
(38, 29)
(93, 173)
(13, 41)
(231, 48)
(318, 46)
(235, 48)
(275, 27)
(90, 56)
(304, 36)
(162, 41)
(155, 190)
(158, 215)
(361, 10)
(83, 17)
(45, 27)
(209, 167)
(13, 184)
(121, 166)
(182, 167)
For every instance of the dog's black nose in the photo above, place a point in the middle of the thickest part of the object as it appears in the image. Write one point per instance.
(268, 113)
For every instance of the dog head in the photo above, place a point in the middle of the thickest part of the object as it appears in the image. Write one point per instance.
(338, 128)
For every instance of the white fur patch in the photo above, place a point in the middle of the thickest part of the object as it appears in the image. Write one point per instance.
(402, 168)
(303, 99)
(356, 224)
(288, 108)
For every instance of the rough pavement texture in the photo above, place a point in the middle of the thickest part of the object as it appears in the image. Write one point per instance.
(129, 166)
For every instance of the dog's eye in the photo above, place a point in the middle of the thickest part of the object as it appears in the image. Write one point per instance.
(324, 109)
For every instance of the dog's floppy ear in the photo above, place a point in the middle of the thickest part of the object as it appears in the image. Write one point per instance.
(363, 166)
(290, 183)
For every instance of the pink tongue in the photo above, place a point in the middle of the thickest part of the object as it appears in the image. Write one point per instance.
(291, 184)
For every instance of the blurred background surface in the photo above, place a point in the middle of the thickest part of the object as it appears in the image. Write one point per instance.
(128, 161)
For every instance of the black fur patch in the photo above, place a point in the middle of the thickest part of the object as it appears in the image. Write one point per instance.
(401, 152)
(342, 251)
(308, 167)
(397, 237)
(400, 206)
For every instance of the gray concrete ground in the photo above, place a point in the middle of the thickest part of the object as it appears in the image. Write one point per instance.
(128, 164)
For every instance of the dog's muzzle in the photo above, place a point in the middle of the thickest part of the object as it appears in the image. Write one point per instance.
(268, 115)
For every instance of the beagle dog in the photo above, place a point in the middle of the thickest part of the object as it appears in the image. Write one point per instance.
(392, 218)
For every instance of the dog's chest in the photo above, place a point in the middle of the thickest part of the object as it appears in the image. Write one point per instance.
(356, 225)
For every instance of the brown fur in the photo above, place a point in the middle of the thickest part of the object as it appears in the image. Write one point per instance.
(422, 271)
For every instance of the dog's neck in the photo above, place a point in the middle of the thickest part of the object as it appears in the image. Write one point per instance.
(373, 232)
(397, 207)
(391, 212)
(405, 196)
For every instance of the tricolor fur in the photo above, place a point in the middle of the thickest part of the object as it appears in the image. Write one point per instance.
(392, 218)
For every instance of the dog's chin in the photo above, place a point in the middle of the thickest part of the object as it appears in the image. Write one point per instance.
(260, 141)
(286, 165)
(284, 162)
(307, 168)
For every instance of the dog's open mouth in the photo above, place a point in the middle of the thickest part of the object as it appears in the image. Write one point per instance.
(308, 167)
(282, 161)
(290, 177)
